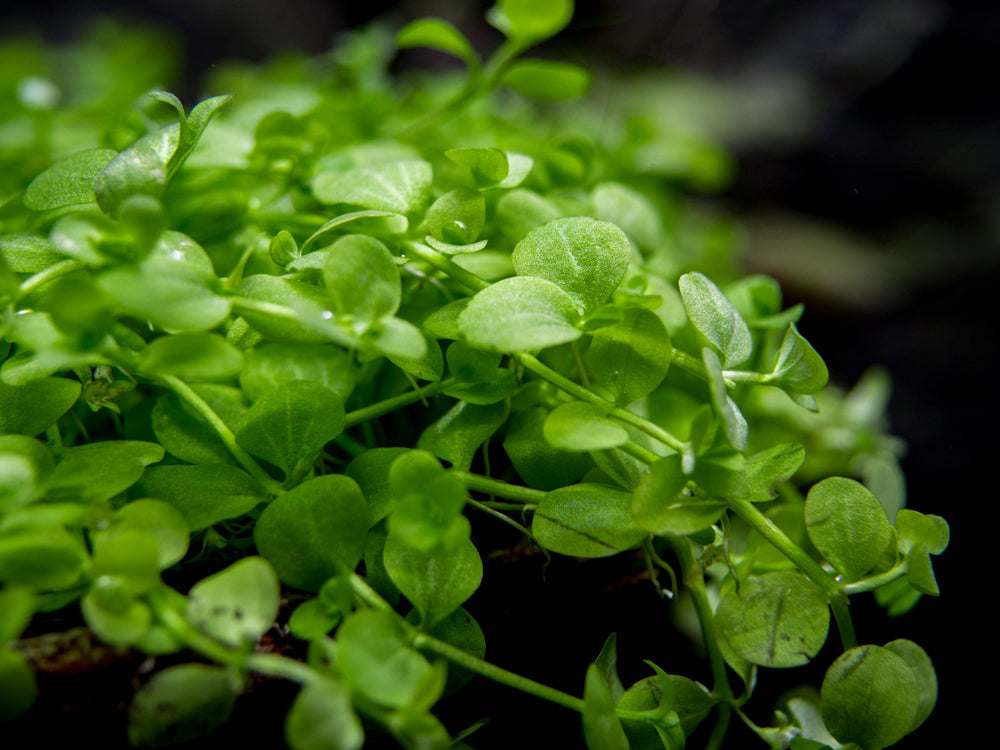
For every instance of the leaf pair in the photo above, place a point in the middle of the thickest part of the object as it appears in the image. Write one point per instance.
(565, 268)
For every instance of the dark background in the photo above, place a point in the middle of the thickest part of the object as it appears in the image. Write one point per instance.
(867, 141)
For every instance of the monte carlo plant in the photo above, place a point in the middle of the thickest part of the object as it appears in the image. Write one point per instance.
(324, 327)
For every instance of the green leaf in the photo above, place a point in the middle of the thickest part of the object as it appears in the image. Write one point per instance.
(530, 22)
(98, 471)
(177, 301)
(586, 520)
(362, 279)
(283, 248)
(27, 252)
(715, 318)
(631, 210)
(42, 558)
(314, 531)
(779, 619)
(184, 432)
(660, 505)
(437, 34)
(32, 408)
(290, 425)
(629, 360)
(161, 521)
(293, 312)
(399, 338)
(322, 718)
(458, 434)
(376, 661)
(129, 555)
(547, 80)
(397, 187)
(521, 210)
(193, 356)
(363, 222)
(17, 607)
(18, 688)
(798, 368)
(847, 525)
(25, 463)
(487, 166)
(873, 696)
(921, 536)
(68, 182)
(519, 314)
(204, 495)
(766, 468)
(691, 701)
(113, 613)
(578, 426)
(238, 604)
(181, 703)
(371, 470)
(429, 503)
(273, 364)
(436, 582)
(602, 730)
(585, 257)
(457, 217)
(537, 462)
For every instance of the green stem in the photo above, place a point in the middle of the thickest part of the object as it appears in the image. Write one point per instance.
(694, 581)
(873, 582)
(576, 390)
(43, 277)
(396, 402)
(832, 589)
(687, 362)
(447, 265)
(185, 392)
(499, 516)
(767, 529)
(490, 486)
(425, 642)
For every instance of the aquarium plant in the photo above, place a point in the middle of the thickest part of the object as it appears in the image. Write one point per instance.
(277, 359)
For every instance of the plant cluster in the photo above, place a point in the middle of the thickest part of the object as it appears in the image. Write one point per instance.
(320, 328)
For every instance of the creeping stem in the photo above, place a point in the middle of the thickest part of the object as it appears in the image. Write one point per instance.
(832, 589)
(184, 391)
(532, 363)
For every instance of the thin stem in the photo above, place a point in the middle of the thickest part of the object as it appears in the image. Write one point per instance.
(499, 516)
(43, 277)
(396, 402)
(578, 391)
(184, 391)
(448, 266)
(873, 582)
(767, 529)
(424, 642)
(194, 639)
(694, 581)
(490, 486)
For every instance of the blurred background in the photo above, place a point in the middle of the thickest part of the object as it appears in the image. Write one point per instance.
(865, 137)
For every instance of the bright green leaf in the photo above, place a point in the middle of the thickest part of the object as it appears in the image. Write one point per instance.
(586, 520)
(69, 181)
(237, 604)
(548, 80)
(847, 525)
(716, 319)
(578, 426)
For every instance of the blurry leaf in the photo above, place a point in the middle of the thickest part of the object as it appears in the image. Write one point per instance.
(32, 408)
(530, 21)
(322, 718)
(193, 356)
(180, 703)
(98, 471)
(436, 34)
(547, 80)
(602, 730)
(237, 604)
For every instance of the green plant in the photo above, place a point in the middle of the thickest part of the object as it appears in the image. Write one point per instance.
(317, 330)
